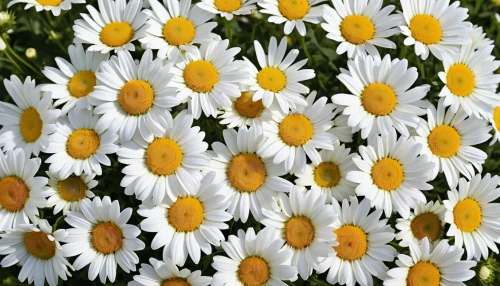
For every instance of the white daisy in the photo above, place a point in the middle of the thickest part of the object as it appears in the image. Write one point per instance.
(113, 28)
(190, 224)
(359, 26)
(254, 259)
(340, 128)
(278, 77)
(28, 123)
(435, 25)
(78, 146)
(167, 164)
(494, 118)
(55, 6)
(38, 250)
(228, 8)
(479, 39)
(472, 215)
(447, 139)
(133, 98)
(293, 135)
(381, 96)
(74, 81)
(102, 238)
(70, 193)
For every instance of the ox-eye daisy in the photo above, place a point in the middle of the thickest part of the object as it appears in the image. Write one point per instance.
(68, 194)
(55, 6)
(228, 8)
(246, 112)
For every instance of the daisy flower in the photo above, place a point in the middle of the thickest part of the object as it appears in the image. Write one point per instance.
(479, 39)
(472, 215)
(190, 224)
(251, 182)
(21, 193)
(102, 238)
(246, 112)
(167, 164)
(431, 264)
(208, 77)
(78, 147)
(113, 28)
(306, 224)
(38, 250)
(426, 220)
(54, 6)
(494, 118)
(177, 25)
(435, 25)
(448, 138)
(293, 135)
(470, 82)
(28, 123)
(363, 244)
(329, 176)
(382, 96)
(279, 78)
(228, 8)
(70, 193)
(133, 98)
(360, 26)
(166, 273)
(254, 259)
(74, 81)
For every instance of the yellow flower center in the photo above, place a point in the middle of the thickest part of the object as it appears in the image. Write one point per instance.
(136, 97)
(72, 189)
(177, 281)
(496, 117)
(107, 237)
(357, 29)
(299, 232)
(378, 99)
(201, 76)
(246, 107)
(163, 156)
(387, 174)
(82, 83)
(423, 274)
(444, 141)
(13, 194)
(227, 5)
(186, 214)
(116, 34)
(293, 9)
(326, 175)
(271, 79)
(38, 244)
(353, 242)
(460, 80)
(425, 29)
(253, 271)
(82, 143)
(179, 31)
(295, 130)
(49, 2)
(246, 172)
(426, 225)
(31, 125)
(467, 215)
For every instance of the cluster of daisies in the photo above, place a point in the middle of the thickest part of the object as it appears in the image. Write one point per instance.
(331, 217)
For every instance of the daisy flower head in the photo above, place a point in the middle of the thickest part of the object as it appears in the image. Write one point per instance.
(113, 28)
(189, 224)
(360, 26)
(279, 78)
(134, 98)
(479, 39)
(28, 123)
(382, 96)
(254, 259)
(78, 147)
(102, 238)
(306, 223)
(70, 193)
(38, 250)
(494, 118)
(167, 164)
(435, 26)
(74, 81)
(54, 6)
(228, 8)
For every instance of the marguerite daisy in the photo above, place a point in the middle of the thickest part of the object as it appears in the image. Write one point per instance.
(68, 194)
(228, 8)
(55, 6)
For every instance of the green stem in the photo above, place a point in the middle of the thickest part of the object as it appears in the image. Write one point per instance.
(9, 49)
(227, 28)
(54, 226)
(304, 47)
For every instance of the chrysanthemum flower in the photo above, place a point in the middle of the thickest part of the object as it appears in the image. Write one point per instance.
(55, 6)
(228, 8)
(70, 193)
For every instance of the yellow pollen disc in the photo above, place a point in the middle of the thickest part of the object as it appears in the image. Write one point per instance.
(425, 29)
(326, 175)
(460, 80)
(271, 79)
(201, 76)
(496, 117)
(177, 281)
(293, 9)
(107, 237)
(295, 130)
(299, 232)
(426, 225)
(30, 125)
(116, 34)
(246, 172)
(82, 143)
(444, 141)
(49, 2)
(163, 156)
(387, 174)
(246, 107)
(186, 214)
(423, 274)
(38, 244)
(352, 242)
(357, 29)
(136, 97)
(13, 194)
(72, 189)
(179, 31)
(253, 271)
(82, 83)
(227, 5)
(378, 99)
(467, 215)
